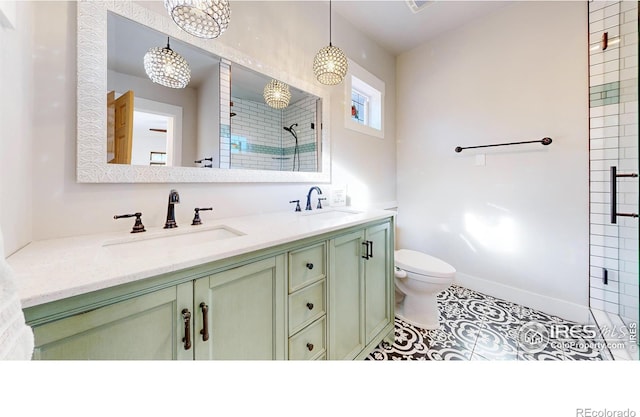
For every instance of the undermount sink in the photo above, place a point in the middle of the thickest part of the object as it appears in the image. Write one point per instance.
(331, 213)
(175, 237)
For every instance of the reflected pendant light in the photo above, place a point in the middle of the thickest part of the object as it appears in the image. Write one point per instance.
(277, 94)
(166, 67)
(202, 18)
(330, 64)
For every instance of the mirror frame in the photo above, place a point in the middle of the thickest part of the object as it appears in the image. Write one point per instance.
(91, 158)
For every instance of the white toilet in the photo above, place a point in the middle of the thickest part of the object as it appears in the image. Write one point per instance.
(419, 277)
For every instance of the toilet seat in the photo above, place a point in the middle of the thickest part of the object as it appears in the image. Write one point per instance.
(423, 264)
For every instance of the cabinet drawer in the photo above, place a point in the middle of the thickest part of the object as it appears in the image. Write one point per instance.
(306, 305)
(310, 343)
(306, 265)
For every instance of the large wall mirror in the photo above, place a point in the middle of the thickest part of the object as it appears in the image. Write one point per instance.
(217, 128)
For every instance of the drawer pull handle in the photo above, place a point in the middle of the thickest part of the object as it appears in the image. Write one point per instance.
(310, 306)
(309, 265)
(186, 315)
(205, 322)
(310, 346)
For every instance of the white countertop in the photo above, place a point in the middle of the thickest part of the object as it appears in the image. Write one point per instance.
(50, 270)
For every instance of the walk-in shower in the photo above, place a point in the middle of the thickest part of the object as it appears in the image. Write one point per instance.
(613, 158)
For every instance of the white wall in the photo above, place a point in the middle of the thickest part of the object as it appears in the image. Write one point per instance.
(517, 226)
(208, 145)
(16, 128)
(279, 34)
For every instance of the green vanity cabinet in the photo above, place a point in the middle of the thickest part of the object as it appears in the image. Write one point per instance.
(346, 292)
(246, 312)
(243, 306)
(360, 291)
(144, 327)
(328, 296)
(379, 288)
(307, 272)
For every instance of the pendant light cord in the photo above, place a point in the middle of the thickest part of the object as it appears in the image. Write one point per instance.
(330, 23)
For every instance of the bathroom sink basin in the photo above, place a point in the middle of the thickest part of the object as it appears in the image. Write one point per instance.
(188, 236)
(330, 213)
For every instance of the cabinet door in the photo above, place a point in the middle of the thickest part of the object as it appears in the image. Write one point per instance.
(378, 281)
(246, 312)
(144, 327)
(346, 296)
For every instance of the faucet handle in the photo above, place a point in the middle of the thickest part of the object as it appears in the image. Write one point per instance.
(297, 204)
(196, 217)
(138, 226)
(319, 206)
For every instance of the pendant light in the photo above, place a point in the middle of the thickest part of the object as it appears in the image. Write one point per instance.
(276, 94)
(166, 67)
(202, 18)
(330, 64)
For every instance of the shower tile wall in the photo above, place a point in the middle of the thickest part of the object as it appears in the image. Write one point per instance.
(258, 140)
(303, 113)
(225, 117)
(256, 135)
(613, 89)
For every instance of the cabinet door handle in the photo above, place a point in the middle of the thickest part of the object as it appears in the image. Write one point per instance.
(309, 265)
(186, 315)
(310, 306)
(366, 249)
(310, 346)
(205, 322)
(370, 246)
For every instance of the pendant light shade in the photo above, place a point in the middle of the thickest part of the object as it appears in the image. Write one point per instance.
(166, 67)
(276, 94)
(202, 18)
(330, 64)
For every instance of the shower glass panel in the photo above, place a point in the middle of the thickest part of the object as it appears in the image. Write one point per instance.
(613, 160)
(627, 186)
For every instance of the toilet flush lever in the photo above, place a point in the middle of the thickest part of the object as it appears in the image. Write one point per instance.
(400, 273)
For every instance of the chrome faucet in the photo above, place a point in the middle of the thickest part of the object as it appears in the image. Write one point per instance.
(309, 196)
(174, 198)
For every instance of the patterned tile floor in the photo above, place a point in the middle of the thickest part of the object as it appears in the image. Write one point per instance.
(476, 326)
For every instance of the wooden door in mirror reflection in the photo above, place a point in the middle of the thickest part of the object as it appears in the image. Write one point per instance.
(119, 127)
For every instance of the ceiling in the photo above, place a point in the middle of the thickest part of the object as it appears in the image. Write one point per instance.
(395, 27)
(392, 23)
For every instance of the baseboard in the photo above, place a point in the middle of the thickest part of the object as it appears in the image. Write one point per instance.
(561, 308)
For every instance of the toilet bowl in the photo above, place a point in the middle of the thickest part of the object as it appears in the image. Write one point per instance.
(418, 279)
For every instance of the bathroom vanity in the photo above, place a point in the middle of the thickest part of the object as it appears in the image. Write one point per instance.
(315, 285)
